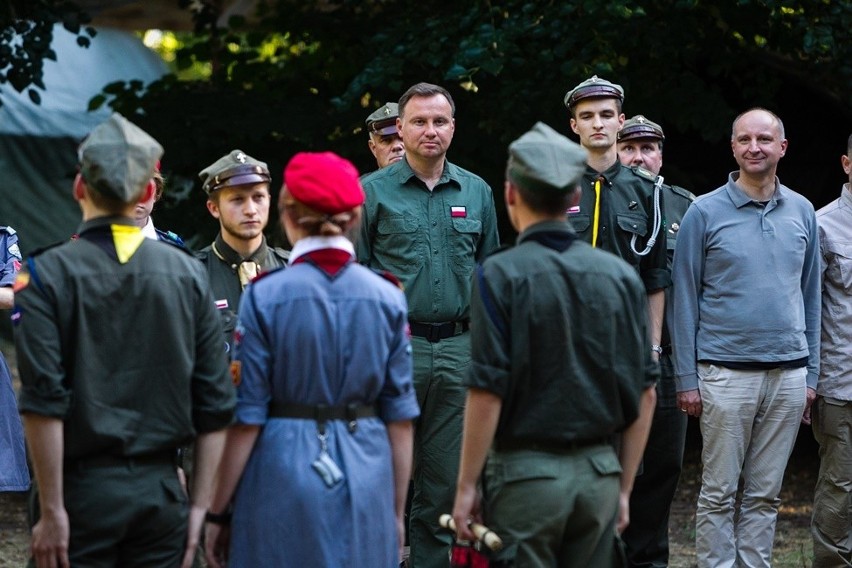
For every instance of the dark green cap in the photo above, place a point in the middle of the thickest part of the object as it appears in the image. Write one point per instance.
(544, 160)
(382, 121)
(594, 87)
(640, 127)
(118, 159)
(234, 168)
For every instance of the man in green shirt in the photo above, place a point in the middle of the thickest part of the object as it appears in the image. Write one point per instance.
(558, 368)
(428, 222)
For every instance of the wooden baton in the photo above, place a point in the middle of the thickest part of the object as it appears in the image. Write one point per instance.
(482, 533)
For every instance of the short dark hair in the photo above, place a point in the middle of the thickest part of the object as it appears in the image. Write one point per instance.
(107, 203)
(425, 90)
(544, 202)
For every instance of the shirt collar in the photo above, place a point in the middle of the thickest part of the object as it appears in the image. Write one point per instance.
(232, 257)
(449, 173)
(741, 198)
(149, 230)
(846, 195)
(608, 174)
(310, 244)
(104, 221)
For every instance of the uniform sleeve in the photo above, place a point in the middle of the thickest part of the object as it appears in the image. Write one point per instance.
(653, 267)
(688, 274)
(490, 367)
(38, 344)
(212, 392)
(364, 243)
(490, 239)
(398, 399)
(812, 295)
(253, 362)
(10, 256)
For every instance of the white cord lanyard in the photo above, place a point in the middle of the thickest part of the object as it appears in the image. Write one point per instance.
(658, 183)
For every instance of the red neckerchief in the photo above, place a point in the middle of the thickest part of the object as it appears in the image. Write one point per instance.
(330, 260)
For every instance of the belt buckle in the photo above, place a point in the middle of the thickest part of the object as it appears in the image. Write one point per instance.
(434, 333)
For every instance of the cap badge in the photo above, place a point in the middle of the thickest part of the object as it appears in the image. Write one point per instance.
(241, 158)
(594, 79)
(387, 111)
(640, 119)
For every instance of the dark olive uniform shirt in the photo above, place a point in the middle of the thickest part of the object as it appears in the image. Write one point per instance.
(122, 344)
(677, 201)
(626, 209)
(561, 337)
(222, 263)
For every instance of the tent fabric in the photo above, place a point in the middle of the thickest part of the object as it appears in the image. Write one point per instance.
(38, 143)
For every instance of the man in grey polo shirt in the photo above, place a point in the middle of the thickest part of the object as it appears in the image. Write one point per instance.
(746, 307)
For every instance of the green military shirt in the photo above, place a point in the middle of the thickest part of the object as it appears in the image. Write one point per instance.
(121, 343)
(626, 209)
(561, 337)
(430, 240)
(677, 201)
(222, 263)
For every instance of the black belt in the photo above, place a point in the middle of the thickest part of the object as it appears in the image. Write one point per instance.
(552, 446)
(322, 413)
(168, 457)
(435, 332)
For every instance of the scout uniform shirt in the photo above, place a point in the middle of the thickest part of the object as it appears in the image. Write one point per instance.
(223, 265)
(626, 208)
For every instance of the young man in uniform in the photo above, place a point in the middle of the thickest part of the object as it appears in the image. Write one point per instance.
(428, 222)
(745, 331)
(550, 304)
(385, 142)
(142, 214)
(831, 525)
(237, 188)
(106, 397)
(640, 145)
(617, 210)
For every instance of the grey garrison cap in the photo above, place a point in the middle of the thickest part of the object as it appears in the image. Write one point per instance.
(593, 87)
(234, 168)
(118, 159)
(544, 160)
(382, 121)
(640, 127)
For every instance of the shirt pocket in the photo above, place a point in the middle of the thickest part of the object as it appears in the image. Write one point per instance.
(580, 222)
(839, 269)
(464, 240)
(399, 244)
(633, 224)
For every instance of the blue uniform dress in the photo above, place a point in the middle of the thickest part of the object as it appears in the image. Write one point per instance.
(324, 331)
(14, 475)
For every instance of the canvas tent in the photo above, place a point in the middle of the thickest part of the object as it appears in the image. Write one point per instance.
(38, 143)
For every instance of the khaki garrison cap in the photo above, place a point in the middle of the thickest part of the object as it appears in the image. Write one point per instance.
(640, 127)
(234, 168)
(118, 159)
(593, 87)
(544, 160)
(382, 121)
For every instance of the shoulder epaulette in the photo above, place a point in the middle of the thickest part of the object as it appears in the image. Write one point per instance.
(171, 238)
(683, 192)
(644, 174)
(281, 253)
(266, 273)
(40, 250)
(387, 275)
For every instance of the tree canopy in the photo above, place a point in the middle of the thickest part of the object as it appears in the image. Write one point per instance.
(304, 75)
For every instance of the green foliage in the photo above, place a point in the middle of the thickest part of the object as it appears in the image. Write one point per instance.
(26, 31)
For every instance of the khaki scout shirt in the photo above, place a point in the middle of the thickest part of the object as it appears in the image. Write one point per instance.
(626, 209)
(430, 240)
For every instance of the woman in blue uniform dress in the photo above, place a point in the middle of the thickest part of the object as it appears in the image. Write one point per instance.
(14, 475)
(316, 468)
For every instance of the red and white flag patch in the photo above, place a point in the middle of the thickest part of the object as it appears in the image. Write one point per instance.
(573, 210)
(458, 211)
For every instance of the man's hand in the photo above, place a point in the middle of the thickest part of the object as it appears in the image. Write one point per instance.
(49, 546)
(466, 509)
(216, 541)
(196, 523)
(690, 402)
(810, 397)
(623, 519)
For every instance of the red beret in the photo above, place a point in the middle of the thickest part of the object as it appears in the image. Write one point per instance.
(324, 181)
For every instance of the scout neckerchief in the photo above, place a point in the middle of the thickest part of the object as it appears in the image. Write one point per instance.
(329, 254)
(246, 268)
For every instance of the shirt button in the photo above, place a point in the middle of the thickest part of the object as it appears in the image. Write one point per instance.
(434, 223)
(435, 251)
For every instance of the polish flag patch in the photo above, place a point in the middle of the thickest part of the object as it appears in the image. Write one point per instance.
(573, 210)
(458, 211)
(222, 304)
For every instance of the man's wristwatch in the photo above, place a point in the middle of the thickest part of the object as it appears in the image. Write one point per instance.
(218, 518)
(657, 349)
